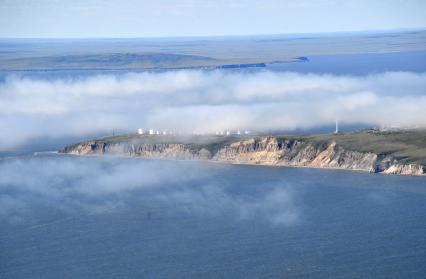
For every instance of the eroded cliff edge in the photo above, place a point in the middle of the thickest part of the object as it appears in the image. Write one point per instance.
(365, 151)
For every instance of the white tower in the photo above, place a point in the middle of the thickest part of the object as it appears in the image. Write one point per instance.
(337, 127)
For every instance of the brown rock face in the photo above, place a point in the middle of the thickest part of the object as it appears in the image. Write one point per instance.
(336, 157)
(404, 169)
(269, 151)
(265, 151)
(85, 148)
(157, 150)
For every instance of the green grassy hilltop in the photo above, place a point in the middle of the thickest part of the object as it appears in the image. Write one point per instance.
(408, 146)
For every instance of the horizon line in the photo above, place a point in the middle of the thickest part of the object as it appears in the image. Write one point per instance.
(229, 36)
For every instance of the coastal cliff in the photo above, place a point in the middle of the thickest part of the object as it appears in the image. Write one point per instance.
(260, 150)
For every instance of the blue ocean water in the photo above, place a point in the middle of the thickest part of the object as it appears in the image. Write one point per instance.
(357, 64)
(338, 64)
(100, 217)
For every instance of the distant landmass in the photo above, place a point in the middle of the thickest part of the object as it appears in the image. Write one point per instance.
(385, 152)
(177, 53)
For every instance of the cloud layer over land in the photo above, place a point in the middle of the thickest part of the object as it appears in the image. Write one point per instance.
(200, 101)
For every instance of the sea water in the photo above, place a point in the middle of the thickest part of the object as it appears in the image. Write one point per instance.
(104, 217)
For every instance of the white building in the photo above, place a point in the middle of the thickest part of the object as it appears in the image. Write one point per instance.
(151, 131)
(140, 131)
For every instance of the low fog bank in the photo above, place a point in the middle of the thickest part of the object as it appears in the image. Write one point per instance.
(87, 186)
(189, 101)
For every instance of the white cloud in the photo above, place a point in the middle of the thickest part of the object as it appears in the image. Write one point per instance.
(101, 185)
(204, 101)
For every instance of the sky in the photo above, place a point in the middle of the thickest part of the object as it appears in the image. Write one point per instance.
(171, 18)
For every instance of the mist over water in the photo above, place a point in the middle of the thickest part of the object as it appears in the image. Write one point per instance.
(121, 217)
(98, 185)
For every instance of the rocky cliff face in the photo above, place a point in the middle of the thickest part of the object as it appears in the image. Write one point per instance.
(269, 151)
(153, 150)
(401, 169)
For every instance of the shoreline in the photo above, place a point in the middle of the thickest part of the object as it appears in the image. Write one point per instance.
(226, 163)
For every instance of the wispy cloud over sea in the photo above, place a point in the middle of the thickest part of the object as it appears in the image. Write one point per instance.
(91, 186)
